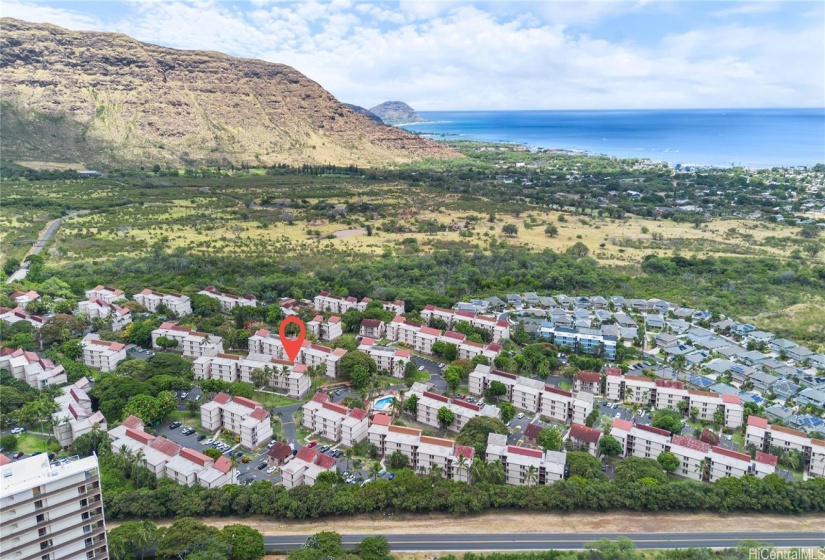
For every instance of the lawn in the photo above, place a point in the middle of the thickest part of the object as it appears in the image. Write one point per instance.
(30, 443)
(566, 385)
(422, 376)
(272, 400)
(739, 440)
(185, 418)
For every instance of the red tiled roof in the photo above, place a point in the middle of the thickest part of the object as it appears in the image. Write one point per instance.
(195, 456)
(556, 390)
(613, 371)
(465, 313)
(622, 424)
(766, 458)
(689, 442)
(320, 398)
(436, 396)
(429, 307)
(494, 347)
(262, 332)
(729, 453)
(757, 421)
(404, 430)
(653, 430)
(133, 422)
(259, 414)
(279, 451)
(306, 454)
(358, 413)
(437, 441)
(336, 408)
(588, 377)
(166, 446)
(325, 461)
(583, 433)
(381, 420)
(818, 442)
(248, 403)
(505, 374)
(222, 398)
(535, 453)
(703, 393)
(532, 431)
(371, 323)
(139, 435)
(430, 331)
(464, 450)
(731, 399)
(403, 353)
(502, 324)
(670, 383)
(789, 431)
(334, 319)
(466, 404)
(223, 464)
(455, 335)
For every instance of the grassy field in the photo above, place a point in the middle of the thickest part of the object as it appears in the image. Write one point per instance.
(273, 401)
(185, 418)
(30, 443)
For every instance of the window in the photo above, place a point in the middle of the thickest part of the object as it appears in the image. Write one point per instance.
(45, 544)
(41, 518)
(38, 504)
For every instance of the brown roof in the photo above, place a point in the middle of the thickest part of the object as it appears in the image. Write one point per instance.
(436, 396)
(535, 453)
(557, 391)
(133, 422)
(788, 431)
(260, 414)
(464, 450)
(248, 403)
(222, 398)
(583, 433)
(320, 398)
(588, 377)
(690, 443)
(404, 430)
(766, 458)
(139, 435)
(381, 420)
(358, 413)
(195, 456)
(306, 454)
(223, 464)
(622, 424)
(729, 453)
(4, 460)
(336, 408)
(505, 374)
(371, 323)
(653, 430)
(166, 446)
(532, 431)
(279, 451)
(757, 421)
(670, 383)
(325, 461)
(437, 441)
(466, 404)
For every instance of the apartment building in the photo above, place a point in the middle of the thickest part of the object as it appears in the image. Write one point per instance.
(429, 404)
(524, 466)
(817, 465)
(723, 463)
(191, 343)
(29, 367)
(245, 417)
(326, 302)
(178, 304)
(766, 436)
(584, 438)
(75, 416)
(12, 316)
(313, 355)
(582, 341)
(588, 382)
(107, 294)
(389, 359)
(691, 452)
(225, 367)
(373, 328)
(424, 452)
(328, 329)
(498, 330)
(639, 440)
(335, 422)
(286, 376)
(305, 468)
(229, 301)
(102, 355)
(96, 308)
(398, 306)
(23, 299)
(51, 511)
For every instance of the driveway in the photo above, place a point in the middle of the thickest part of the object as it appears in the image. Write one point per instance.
(435, 372)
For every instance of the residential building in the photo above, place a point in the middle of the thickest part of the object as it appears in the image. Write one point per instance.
(811, 396)
(582, 341)
(640, 440)
(498, 329)
(23, 299)
(105, 293)
(584, 438)
(29, 367)
(690, 452)
(766, 437)
(74, 416)
(313, 355)
(289, 377)
(389, 359)
(95, 308)
(397, 307)
(373, 328)
(178, 304)
(589, 382)
(229, 301)
(225, 367)
(429, 404)
(279, 454)
(52, 511)
(325, 329)
(12, 316)
(780, 345)
(102, 355)
(724, 463)
(305, 468)
(326, 302)
(191, 343)
(334, 422)
(245, 417)
(524, 466)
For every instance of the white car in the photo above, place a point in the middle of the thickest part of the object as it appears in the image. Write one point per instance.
(420, 368)
(18, 430)
(271, 470)
(520, 415)
(618, 415)
(441, 366)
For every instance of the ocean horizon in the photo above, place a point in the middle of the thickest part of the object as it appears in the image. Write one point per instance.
(754, 138)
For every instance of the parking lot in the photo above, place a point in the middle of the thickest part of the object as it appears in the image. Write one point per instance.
(434, 370)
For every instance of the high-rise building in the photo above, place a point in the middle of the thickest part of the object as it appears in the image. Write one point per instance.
(51, 511)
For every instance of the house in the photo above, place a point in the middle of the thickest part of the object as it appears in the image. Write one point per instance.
(655, 321)
(531, 433)
(105, 293)
(685, 313)
(761, 381)
(514, 300)
(102, 355)
(373, 328)
(800, 353)
(247, 418)
(778, 412)
(229, 301)
(742, 329)
(752, 357)
(589, 382)
(624, 320)
(178, 304)
(532, 299)
(677, 326)
(664, 340)
(496, 303)
(547, 302)
(524, 466)
(584, 438)
(23, 299)
(639, 304)
(278, 454)
(12, 316)
(811, 396)
(598, 302)
(760, 337)
(334, 422)
(74, 416)
(190, 343)
(618, 302)
(784, 388)
(780, 345)
(29, 367)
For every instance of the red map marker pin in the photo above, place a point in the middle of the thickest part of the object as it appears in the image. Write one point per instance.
(292, 346)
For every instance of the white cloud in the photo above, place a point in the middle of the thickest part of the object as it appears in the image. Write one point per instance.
(747, 8)
(456, 55)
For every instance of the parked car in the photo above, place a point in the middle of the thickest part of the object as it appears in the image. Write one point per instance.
(520, 415)
(18, 454)
(201, 437)
(618, 415)
(323, 448)
(183, 395)
(174, 425)
(262, 466)
(312, 444)
(18, 430)
(420, 368)
(271, 470)
(392, 475)
(441, 366)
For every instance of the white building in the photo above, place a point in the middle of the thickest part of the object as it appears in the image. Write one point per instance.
(430, 403)
(334, 422)
(305, 468)
(51, 511)
(107, 294)
(389, 359)
(74, 416)
(328, 329)
(96, 308)
(29, 367)
(23, 299)
(229, 301)
(244, 417)
(766, 436)
(524, 466)
(12, 316)
(178, 304)
(191, 343)
(498, 330)
(313, 355)
(102, 355)
(326, 302)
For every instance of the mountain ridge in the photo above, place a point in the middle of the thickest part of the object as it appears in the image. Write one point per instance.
(106, 99)
(396, 112)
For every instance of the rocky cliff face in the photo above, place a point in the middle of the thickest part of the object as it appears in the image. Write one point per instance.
(361, 111)
(105, 99)
(396, 112)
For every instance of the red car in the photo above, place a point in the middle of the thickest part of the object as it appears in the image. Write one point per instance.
(312, 444)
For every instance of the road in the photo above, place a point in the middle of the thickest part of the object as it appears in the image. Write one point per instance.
(51, 229)
(558, 541)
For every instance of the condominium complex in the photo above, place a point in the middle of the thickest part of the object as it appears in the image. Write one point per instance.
(286, 376)
(51, 511)
(305, 467)
(312, 355)
(498, 329)
(524, 466)
(74, 416)
(29, 367)
(191, 343)
(97, 308)
(178, 304)
(325, 301)
(229, 301)
(430, 403)
(534, 396)
(424, 452)
(102, 355)
(767, 437)
(335, 422)
(422, 338)
(325, 329)
(389, 359)
(107, 294)
(247, 418)
(12, 316)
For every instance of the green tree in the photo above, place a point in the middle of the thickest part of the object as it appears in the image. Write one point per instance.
(495, 390)
(359, 377)
(508, 411)
(72, 349)
(132, 539)
(668, 461)
(634, 469)
(445, 417)
(584, 465)
(183, 537)
(509, 229)
(166, 343)
(668, 419)
(212, 452)
(145, 407)
(550, 439)
(592, 418)
(351, 360)
(8, 442)
(475, 431)
(578, 250)
(453, 378)
(373, 548)
(551, 230)
(411, 404)
(245, 543)
(398, 460)
(610, 446)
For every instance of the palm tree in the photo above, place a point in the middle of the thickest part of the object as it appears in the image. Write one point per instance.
(375, 468)
(531, 476)
(703, 468)
(496, 472)
(628, 394)
(793, 459)
(234, 463)
(478, 471)
(398, 366)
(348, 454)
(678, 363)
(147, 536)
(436, 472)
(138, 462)
(461, 465)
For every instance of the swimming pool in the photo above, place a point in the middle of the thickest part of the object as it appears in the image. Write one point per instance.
(382, 403)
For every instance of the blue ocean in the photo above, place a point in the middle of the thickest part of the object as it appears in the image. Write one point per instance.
(755, 138)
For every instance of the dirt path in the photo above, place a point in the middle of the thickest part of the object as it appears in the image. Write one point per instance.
(518, 522)
(348, 232)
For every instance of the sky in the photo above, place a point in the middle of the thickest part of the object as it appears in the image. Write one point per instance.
(648, 54)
